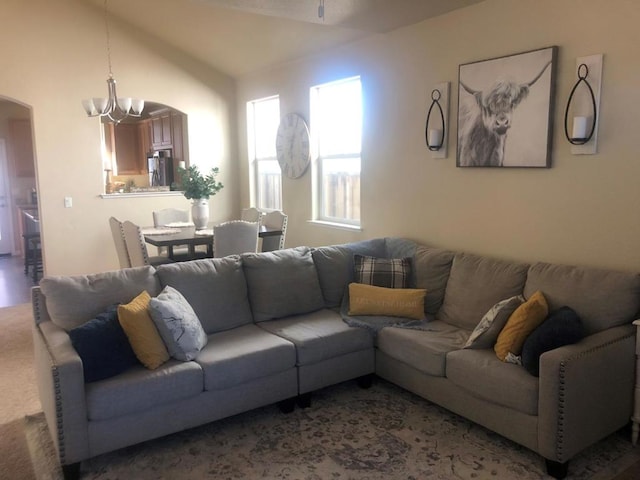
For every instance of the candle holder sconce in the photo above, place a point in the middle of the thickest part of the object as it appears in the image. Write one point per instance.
(583, 137)
(435, 129)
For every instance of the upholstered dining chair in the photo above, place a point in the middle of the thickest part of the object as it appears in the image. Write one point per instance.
(137, 247)
(117, 233)
(169, 215)
(235, 237)
(275, 219)
(251, 214)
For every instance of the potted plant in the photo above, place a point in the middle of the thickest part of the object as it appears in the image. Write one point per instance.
(198, 188)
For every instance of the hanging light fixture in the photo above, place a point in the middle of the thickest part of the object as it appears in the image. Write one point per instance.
(114, 109)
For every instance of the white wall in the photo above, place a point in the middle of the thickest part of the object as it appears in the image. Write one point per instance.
(584, 210)
(53, 54)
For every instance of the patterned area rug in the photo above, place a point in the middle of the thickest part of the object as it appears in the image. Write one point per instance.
(347, 433)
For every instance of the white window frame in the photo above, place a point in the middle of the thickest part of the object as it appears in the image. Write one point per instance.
(317, 188)
(255, 161)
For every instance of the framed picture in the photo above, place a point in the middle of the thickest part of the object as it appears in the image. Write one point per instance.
(505, 110)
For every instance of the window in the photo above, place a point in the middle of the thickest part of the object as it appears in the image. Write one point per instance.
(336, 120)
(263, 117)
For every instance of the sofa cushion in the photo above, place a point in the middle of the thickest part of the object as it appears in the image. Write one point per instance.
(243, 354)
(486, 332)
(139, 389)
(103, 346)
(562, 327)
(319, 335)
(602, 298)
(74, 300)
(483, 375)
(177, 324)
(524, 320)
(334, 265)
(398, 247)
(475, 284)
(424, 350)
(431, 267)
(142, 333)
(215, 288)
(395, 302)
(382, 272)
(282, 283)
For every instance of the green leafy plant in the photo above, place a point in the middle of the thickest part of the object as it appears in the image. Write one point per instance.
(197, 185)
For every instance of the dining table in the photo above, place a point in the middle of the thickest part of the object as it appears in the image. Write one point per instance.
(173, 235)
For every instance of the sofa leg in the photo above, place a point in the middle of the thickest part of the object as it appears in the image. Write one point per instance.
(71, 471)
(304, 400)
(288, 405)
(365, 381)
(557, 469)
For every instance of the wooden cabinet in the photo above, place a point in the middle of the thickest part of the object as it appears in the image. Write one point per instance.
(127, 145)
(133, 142)
(21, 148)
(161, 131)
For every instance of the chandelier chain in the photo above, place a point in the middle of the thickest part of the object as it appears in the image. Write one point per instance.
(106, 27)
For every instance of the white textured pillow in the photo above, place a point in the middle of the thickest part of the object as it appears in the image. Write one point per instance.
(486, 332)
(177, 324)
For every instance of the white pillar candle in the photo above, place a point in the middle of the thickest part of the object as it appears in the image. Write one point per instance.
(579, 127)
(182, 164)
(435, 137)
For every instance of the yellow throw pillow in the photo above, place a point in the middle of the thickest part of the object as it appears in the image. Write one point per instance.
(142, 333)
(521, 323)
(395, 302)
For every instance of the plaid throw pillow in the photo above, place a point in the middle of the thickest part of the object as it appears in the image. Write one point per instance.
(382, 272)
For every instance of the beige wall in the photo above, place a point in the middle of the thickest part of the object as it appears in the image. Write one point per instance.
(53, 54)
(585, 209)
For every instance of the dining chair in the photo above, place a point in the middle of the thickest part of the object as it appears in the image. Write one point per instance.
(137, 248)
(169, 215)
(275, 219)
(117, 233)
(251, 214)
(235, 237)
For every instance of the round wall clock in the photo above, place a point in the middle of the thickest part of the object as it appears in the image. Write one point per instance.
(292, 145)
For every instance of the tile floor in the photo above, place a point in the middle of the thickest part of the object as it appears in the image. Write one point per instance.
(15, 286)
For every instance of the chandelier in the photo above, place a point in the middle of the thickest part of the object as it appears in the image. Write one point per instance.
(112, 109)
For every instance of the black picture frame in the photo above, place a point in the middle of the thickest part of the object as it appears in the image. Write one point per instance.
(505, 110)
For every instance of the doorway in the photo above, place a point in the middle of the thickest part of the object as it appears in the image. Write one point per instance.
(6, 225)
(18, 188)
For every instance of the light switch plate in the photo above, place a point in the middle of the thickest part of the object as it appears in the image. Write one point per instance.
(68, 202)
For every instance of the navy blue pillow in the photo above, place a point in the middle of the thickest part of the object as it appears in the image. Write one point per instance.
(103, 346)
(562, 327)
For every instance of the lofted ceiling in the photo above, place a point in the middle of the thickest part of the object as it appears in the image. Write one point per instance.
(236, 37)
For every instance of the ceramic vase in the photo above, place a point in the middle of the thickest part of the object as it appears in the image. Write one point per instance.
(200, 213)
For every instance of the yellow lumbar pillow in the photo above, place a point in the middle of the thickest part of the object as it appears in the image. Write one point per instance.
(521, 323)
(142, 332)
(397, 302)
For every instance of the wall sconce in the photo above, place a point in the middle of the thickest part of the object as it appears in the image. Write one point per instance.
(585, 105)
(435, 131)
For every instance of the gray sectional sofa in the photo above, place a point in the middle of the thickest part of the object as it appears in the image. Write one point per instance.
(276, 332)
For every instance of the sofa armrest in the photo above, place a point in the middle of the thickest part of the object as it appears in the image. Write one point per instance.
(586, 392)
(61, 386)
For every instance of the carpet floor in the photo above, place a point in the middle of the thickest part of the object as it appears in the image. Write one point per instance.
(348, 433)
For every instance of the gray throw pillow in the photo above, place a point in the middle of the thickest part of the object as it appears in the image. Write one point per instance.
(177, 324)
(486, 332)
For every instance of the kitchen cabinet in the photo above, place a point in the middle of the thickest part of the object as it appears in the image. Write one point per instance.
(21, 147)
(127, 147)
(161, 131)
